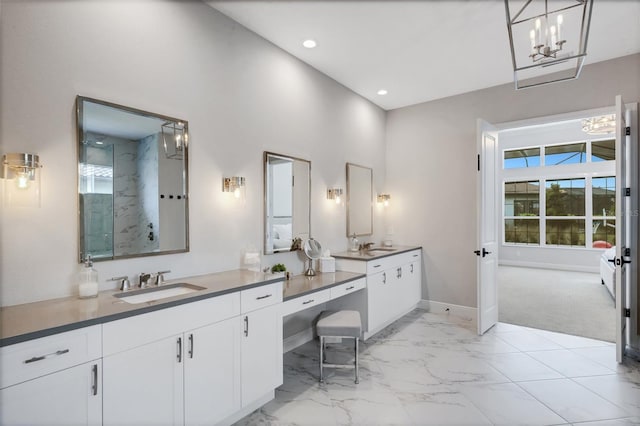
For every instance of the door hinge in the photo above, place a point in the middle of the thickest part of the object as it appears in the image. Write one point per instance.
(627, 192)
(627, 312)
(478, 162)
(627, 131)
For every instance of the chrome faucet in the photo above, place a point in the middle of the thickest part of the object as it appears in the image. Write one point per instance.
(143, 280)
(159, 277)
(365, 246)
(124, 282)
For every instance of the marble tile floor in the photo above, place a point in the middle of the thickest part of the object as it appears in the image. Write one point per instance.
(432, 369)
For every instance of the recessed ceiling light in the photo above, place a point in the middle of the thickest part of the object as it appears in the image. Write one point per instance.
(382, 92)
(309, 44)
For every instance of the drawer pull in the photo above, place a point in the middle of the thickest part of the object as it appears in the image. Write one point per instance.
(308, 301)
(179, 356)
(376, 266)
(384, 278)
(246, 326)
(191, 345)
(416, 255)
(94, 387)
(412, 268)
(51, 355)
(263, 297)
(350, 288)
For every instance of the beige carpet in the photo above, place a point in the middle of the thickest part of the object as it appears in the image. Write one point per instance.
(567, 302)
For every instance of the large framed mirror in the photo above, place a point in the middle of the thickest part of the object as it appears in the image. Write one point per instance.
(359, 200)
(287, 201)
(132, 181)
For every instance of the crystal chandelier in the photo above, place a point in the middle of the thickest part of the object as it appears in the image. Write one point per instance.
(601, 125)
(548, 39)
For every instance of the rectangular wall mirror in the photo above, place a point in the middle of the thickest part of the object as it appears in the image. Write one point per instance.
(359, 200)
(132, 181)
(287, 202)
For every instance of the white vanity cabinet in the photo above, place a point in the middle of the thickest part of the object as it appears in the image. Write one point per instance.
(393, 286)
(174, 366)
(261, 347)
(52, 380)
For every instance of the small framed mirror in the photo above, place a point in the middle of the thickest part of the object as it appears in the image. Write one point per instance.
(287, 202)
(132, 181)
(359, 200)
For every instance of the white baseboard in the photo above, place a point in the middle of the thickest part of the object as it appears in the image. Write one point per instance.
(297, 339)
(466, 313)
(541, 265)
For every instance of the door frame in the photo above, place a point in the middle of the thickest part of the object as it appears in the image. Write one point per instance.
(633, 293)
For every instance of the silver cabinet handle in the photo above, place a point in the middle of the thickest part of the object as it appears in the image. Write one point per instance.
(399, 272)
(263, 297)
(246, 326)
(412, 268)
(41, 357)
(308, 301)
(416, 255)
(191, 345)
(384, 278)
(376, 266)
(94, 386)
(350, 288)
(179, 349)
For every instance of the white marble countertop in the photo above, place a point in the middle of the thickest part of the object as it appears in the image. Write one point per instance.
(28, 321)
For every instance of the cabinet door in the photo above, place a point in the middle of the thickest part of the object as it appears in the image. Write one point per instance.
(212, 372)
(68, 397)
(380, 288)
(261, 352)
(144, 385)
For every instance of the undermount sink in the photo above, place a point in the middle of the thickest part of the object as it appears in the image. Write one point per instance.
(157, 293)
(381, 249)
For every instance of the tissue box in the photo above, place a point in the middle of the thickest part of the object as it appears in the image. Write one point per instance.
(327, 264)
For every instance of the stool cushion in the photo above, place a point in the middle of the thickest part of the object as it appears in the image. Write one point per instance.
(340, 323)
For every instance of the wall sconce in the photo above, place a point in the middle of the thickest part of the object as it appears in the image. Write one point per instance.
(235, 184)
(21, 175)
(384, 199)
(334, 194)
(174, 139)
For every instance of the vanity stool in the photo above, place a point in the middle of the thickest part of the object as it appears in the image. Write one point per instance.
(343, 324)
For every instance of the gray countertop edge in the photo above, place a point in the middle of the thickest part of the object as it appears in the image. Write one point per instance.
(379, 256)
(12, 340)
(314, 290)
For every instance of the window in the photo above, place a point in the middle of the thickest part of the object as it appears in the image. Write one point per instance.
(604, 211)
(521, 212)
(565, 197)
(565, 232)
(603, 150)
(574, 153)
(519, 158)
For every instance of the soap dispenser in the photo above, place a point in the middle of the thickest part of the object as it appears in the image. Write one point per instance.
(353, 243)
(87, 280)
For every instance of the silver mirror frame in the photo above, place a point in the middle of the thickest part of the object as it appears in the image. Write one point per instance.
(351, 228)
(79, 137)
(265, 158)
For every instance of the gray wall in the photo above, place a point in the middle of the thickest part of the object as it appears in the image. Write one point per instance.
(240, 94)
(431, 164)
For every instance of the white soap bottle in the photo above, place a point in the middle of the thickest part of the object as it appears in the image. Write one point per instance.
(353, 243)
(87, 280)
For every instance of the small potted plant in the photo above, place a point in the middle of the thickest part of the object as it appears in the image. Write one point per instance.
(278, 267)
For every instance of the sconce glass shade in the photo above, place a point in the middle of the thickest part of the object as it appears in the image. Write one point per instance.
(235, 184)
(335, 194)
(548, 40)
(384, 199)
(21, 179)
(175, 138)
(602, 125)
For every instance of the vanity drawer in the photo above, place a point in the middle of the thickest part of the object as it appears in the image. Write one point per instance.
(138, 330)
(303, 302)
(260, 297)
(379, 265)
(346, 288)
(34, 358)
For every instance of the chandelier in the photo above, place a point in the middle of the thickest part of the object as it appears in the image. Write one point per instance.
(548, 39)
(601, 125)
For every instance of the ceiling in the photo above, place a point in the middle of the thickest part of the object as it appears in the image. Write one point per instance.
(416, 50)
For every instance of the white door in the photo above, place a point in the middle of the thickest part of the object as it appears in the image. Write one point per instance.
(212, 373)
(68, 397)
(487, 247)
(623, 226)
(261, 353)
(144, 385)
